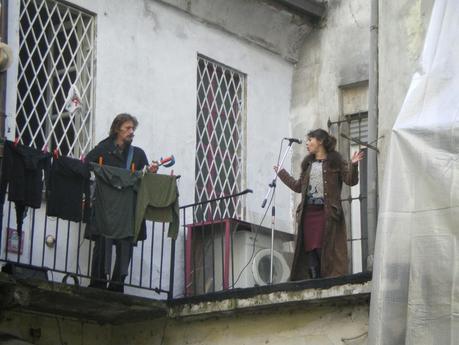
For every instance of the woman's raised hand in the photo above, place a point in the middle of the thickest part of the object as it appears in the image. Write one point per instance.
(357, 157)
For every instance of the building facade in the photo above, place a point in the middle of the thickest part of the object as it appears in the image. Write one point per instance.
(217, 84)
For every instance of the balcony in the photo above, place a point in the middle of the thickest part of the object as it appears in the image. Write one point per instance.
(211, 268)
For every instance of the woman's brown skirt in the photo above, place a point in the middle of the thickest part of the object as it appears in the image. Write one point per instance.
(313, 227)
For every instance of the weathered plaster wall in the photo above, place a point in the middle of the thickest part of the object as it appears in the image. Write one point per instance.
(311, 325)
(146, 65)
(321, 314)
(53, 330)
(337, 54)
(153, 75)
(275, 29)
(334, 55)
(318, 325)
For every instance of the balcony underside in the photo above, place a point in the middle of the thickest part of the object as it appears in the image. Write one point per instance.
(108, 307)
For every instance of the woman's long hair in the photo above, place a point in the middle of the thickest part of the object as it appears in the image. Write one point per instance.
(328, 141)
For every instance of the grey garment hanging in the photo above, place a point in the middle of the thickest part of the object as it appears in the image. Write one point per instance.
(114, 203)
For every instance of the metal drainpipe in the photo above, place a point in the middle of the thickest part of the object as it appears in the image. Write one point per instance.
(372, 163)
(4, 39)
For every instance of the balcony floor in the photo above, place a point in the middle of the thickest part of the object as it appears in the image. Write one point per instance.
(82, 303)
(106, 307)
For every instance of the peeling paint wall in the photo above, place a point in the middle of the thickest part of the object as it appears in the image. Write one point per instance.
(337, 55)
(334, 55)
(308, 325)
(318, 325)
(47, 330)
(277, 29)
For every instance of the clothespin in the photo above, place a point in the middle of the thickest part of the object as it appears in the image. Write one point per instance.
(101, 160)
(133, 167)
(16, 141)
(167, 162)
(56, 153)
(82, 157)
(45, 149)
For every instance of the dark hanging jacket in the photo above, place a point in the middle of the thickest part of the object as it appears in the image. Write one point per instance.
(24, 169)
(68, 190)
(112, 156)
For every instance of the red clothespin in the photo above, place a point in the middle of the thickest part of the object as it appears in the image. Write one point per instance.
(16, 141)
(56, 153)
(101, 160)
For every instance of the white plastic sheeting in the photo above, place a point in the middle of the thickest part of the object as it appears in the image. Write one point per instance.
(415, 297)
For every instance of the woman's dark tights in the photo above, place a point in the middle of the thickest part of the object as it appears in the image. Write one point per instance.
(313, 257)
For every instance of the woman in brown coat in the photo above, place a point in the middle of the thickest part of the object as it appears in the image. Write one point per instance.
(321, 248)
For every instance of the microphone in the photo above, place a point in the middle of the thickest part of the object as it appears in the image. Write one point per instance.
(293, 140)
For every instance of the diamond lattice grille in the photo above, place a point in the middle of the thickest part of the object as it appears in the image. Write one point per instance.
(56, 64)
(220, 107)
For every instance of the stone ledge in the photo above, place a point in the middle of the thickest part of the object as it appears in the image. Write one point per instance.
(90, 304)
(104, 306)
(353, 289)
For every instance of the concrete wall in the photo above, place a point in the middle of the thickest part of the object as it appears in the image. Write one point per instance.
(327, 325)
(334, 55)
(318, 326)
(146, 65)
(47, 330)
(281, 31)
(337, 55)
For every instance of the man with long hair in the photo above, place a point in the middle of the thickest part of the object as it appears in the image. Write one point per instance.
(116, 151)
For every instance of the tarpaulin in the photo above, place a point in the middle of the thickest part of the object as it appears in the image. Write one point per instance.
(415, 294)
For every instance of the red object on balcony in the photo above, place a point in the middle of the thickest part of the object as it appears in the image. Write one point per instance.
(193, 230)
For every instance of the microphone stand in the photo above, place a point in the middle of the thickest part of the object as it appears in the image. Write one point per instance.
(272, 188)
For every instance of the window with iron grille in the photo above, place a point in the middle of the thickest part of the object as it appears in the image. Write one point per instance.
(220, 112)
(55, 76)
(352, 132)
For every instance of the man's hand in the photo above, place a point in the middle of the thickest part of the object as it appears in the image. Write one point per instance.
(153, 168)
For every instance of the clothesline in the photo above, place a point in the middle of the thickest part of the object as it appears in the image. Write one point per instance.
(67, 183)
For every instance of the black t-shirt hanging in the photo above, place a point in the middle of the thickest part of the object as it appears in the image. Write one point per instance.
(22, 173)
(68, 190)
